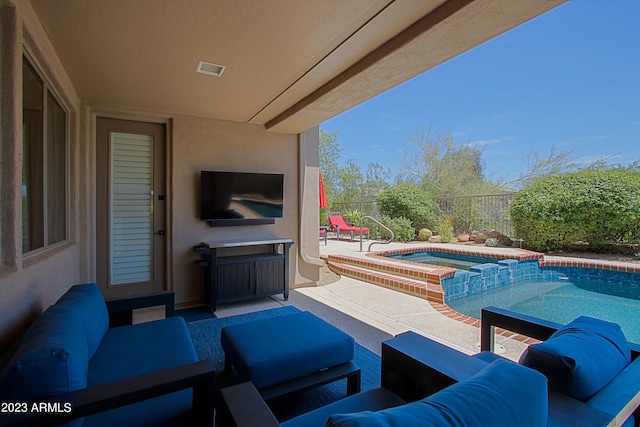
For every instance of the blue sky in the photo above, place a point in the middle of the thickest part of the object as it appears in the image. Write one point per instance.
(569, 78)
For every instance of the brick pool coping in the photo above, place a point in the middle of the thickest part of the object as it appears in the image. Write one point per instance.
(432, 291)
(587, 263)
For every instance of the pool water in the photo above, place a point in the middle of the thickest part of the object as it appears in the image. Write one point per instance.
(562, 301)
(462, 262)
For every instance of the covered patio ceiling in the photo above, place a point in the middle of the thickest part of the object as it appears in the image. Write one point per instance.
(289, 64)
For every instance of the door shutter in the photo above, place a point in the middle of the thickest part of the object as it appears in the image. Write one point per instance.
(131, 208)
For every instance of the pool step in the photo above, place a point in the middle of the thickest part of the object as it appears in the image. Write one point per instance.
(423, 273)
(414, 271)
(413, 283)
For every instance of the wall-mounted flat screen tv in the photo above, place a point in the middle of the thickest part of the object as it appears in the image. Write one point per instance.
(241, 198)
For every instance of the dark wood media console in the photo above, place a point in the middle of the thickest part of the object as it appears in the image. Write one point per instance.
(230, 277)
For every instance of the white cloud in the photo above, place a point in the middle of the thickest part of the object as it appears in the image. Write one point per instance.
(584, 138)
(484, 142)
(587, 160)
(459, 134)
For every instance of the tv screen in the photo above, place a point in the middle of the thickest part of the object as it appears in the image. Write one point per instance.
(241, 195)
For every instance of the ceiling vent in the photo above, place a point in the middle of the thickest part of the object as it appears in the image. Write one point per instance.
(210, 69)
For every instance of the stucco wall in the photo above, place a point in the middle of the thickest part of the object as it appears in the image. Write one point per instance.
(29, 284)
(206, 144)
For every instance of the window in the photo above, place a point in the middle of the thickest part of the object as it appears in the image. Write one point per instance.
(44, 164)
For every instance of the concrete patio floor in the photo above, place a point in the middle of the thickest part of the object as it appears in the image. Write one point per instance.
(371, 313)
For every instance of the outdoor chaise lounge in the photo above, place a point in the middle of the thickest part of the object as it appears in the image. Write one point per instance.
(415, 368)
(338, 225)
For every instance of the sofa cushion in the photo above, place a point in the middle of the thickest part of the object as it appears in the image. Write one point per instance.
(581, 357)
(372, 400)
(494, 396)
(138, 349)
(51, 359)
(87, 302)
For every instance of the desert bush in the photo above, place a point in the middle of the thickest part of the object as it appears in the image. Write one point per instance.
(402, 229)
(600, 208)
(424, 234)
(409, 201)
(445, 229)
(353, 215)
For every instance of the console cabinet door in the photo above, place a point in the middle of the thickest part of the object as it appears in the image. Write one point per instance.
(269, 276)
(235, 280)
(250, 277)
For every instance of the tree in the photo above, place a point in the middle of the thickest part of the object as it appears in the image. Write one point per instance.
(348, 184)
(329, 152)
(376, 180)
(539, 166)
(445, 169)
(602, 164)
(442, 168)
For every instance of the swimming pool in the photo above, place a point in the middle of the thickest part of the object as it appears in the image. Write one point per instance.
(459, 261)
(556, 289)
(562, 301)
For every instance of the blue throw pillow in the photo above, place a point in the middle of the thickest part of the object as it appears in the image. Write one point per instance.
(87, 303)
(581, 357)
(51, 359)
(502, 394)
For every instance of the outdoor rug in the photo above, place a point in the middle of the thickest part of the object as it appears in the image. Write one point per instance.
(206, 339)
(195, 313)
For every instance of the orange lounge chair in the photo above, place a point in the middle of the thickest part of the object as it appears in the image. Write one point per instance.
(340, 226)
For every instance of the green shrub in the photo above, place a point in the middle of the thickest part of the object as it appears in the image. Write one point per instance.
(353, 215)
(401, 227)
(409, 201)
(600, 208)
(445, 229)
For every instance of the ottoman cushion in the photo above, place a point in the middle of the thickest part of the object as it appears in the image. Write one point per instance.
(283, 348)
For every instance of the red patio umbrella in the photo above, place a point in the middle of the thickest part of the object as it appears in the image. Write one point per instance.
(323, 196)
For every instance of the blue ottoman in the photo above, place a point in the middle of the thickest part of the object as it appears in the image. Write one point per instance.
(289, 353)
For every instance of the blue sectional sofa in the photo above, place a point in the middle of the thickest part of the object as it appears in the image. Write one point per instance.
(590, 378)
(588, 362)
(415, 392)
(80, 370)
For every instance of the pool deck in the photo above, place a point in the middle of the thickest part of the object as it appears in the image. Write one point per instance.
(372, 313)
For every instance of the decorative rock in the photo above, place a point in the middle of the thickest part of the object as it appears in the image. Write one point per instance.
(491, 242)
(435, 239)
(463, 237)
(481, 237)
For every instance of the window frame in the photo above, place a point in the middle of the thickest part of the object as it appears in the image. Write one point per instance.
(49, 89)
